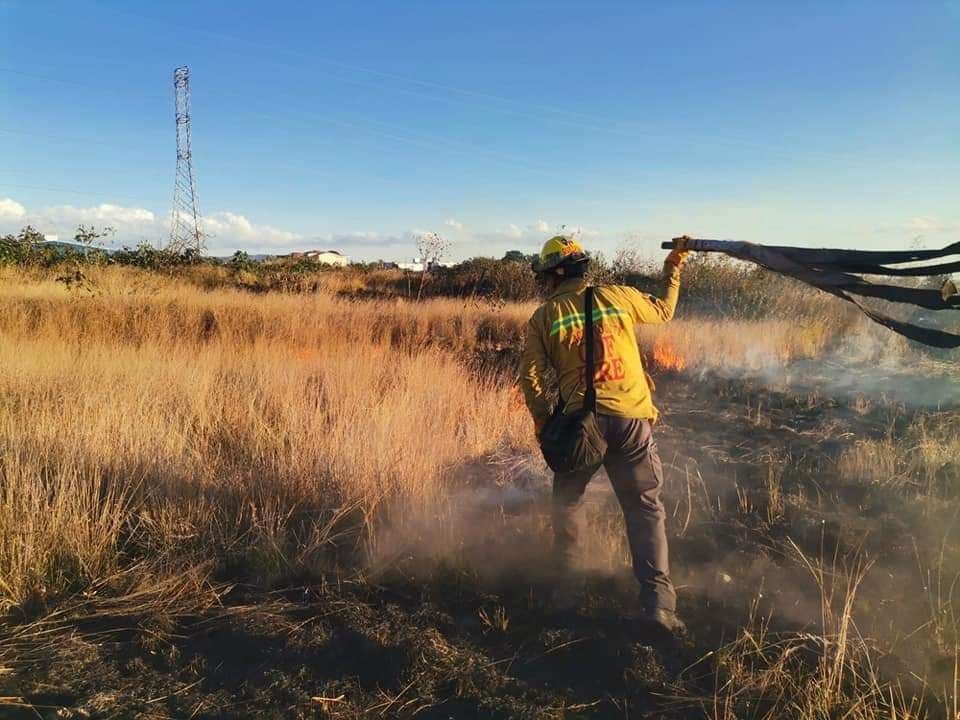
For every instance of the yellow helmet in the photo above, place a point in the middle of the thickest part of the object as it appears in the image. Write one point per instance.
(559, 250)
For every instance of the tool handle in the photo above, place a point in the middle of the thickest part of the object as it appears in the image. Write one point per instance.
(701, 245)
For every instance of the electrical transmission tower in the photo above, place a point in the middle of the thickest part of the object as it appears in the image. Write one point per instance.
(185, 234)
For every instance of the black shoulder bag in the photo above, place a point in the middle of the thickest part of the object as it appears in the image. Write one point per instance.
(572, 442)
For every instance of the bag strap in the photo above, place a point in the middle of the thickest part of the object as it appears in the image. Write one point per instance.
(590, 396)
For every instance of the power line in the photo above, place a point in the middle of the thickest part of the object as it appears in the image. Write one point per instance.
(553, 113)
(47, 188)
(465, 92)
(64, 138)
(535, 111)
(310, 121)
(50, 78)
(423, 140)
(596, 124)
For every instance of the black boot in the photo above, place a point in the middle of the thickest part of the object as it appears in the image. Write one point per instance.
(662, 621)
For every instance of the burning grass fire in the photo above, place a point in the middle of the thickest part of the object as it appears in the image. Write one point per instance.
(666, 357)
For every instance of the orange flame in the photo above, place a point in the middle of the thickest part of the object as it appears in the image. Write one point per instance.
(665, 357)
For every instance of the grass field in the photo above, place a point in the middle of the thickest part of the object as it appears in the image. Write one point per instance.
(219, 503)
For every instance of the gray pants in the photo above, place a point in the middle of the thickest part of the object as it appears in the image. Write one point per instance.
(637, 477)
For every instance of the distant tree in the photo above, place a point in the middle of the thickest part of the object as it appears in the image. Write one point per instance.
(241, 262)
(21, 249)
(518, 256)
(148, 257)
(432, 248)
(29, 247)
(87, 236)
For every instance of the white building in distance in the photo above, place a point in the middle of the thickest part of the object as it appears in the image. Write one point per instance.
(419, 265)
(323, 257)
(416, 265)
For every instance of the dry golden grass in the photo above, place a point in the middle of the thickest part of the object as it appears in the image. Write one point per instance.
(833, 673)
(733, 344)
(143, 412)
(154, 433)
(188, 425)
(923, 458)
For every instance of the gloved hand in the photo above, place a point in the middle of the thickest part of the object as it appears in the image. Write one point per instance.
(679, 255)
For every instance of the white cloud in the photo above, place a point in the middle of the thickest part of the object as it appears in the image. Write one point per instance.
(132, 224)
(11, 209)
(580, 231)
(364, 240)
(228, 231)
(527, 237)
(106, 213)
(232, 230)
(535, 231)
(376, 239)
(919, 226)
(927, 224)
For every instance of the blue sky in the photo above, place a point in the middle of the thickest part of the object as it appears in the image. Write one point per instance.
(358, 124)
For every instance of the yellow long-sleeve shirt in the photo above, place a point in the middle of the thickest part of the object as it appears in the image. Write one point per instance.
(555, 339)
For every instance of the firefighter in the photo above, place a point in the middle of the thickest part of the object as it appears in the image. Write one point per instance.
(625, 409)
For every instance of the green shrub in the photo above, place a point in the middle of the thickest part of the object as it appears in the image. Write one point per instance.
(22, 249)
(484, 277)
(29, 248)
(241, 262)
(148, 257)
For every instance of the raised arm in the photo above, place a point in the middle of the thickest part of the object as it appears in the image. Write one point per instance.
(650, 309)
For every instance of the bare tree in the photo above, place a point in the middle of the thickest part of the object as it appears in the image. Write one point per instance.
(431, 248)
